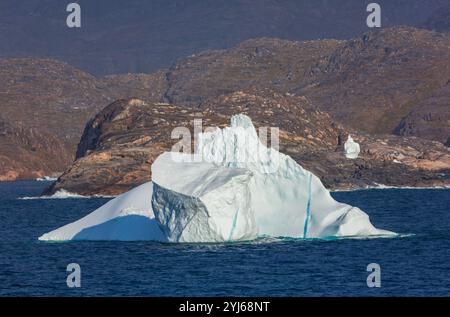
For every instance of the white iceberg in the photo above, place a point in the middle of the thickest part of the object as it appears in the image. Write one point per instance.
(351, 148)
(234, 182)
(232, 189)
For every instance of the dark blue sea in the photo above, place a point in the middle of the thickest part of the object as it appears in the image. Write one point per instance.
(416, 263)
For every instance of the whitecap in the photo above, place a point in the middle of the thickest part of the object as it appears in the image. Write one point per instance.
(64, 194)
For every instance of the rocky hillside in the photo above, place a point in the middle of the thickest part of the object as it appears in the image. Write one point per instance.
(429, 118)
(273, 63)
(56, 97)
(50, 95)
(377, 82)
(374, 81)
(47, 97)
(28, 153)
(120, 143)
(393, 80)
(141, 36)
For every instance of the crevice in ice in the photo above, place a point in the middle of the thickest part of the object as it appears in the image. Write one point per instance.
(233, 225)
(308, 208)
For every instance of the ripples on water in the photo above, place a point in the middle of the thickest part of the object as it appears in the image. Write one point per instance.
(414, 263)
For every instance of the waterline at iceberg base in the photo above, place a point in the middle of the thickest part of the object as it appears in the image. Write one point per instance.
(232, 189)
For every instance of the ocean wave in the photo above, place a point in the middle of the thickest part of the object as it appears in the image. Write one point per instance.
(263, 240)
(46, 179)
(64, 194)
(382, 186)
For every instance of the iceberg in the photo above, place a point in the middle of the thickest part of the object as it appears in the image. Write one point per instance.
(233, 188)
(234, 183)
(351, 148)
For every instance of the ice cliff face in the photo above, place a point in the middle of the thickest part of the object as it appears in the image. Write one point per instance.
(232, 189)
(202, 202)
(234, 182)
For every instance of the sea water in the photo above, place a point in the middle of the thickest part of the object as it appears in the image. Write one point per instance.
(415, 263)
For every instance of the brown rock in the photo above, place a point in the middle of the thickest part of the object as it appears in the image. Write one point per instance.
(28, 153)
(52, 99)
(120, 143)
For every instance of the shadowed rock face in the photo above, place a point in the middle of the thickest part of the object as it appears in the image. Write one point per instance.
(28, 153)
(371, 83)
(121, 142)
(430, 118)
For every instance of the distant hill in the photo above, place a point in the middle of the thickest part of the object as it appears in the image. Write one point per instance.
(267, 62)
(383, 78)
(141, 36)
(44, 105)
(56, 97)
(49, 95)
(393, 80)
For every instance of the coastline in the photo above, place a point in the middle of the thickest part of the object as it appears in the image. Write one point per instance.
(63, 194)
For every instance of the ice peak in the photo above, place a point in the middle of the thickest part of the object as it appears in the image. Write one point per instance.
(238, 146)
(241, 121)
